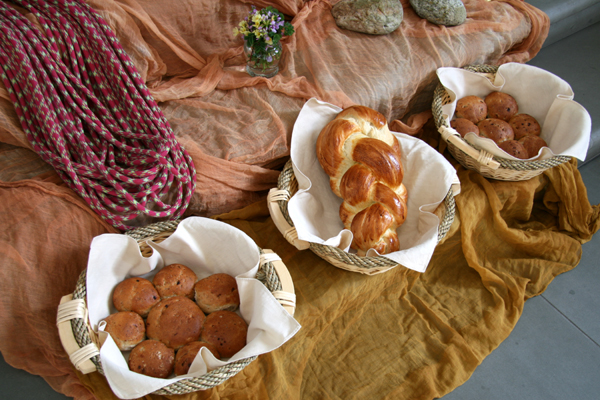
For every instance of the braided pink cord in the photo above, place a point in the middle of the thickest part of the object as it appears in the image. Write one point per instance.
(87, 112)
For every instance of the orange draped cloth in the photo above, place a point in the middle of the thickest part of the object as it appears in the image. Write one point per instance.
(399, 334)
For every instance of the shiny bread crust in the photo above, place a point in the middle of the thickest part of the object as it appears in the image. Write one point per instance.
(363, 160)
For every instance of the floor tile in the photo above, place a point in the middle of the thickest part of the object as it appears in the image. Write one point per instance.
(16, 384)
(545, 357)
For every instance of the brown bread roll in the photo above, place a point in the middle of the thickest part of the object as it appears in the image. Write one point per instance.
(533, 144)
(472, 108)
(464, 126)
(514, 148)
(495, 129)
(175, 321)
(523, 125)
(127, 329)
(363, 160)
(135, 294)
(186, 355)
(501, 106)
(227, 331)
(152, 358)
(175, 280)
(217, 292)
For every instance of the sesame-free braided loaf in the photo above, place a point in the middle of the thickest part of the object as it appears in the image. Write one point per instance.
(362, 158)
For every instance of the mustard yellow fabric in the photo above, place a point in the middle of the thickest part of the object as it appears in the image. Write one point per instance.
(405, 335)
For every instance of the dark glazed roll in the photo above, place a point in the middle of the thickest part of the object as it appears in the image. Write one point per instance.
(127, 329)
(501, 106)
(472, 108)
(175, 321)
(175, 280)
(186, 355)
(227, 331)
(217, 292)
(135, 294)
(464, 126)
(152, 358)
(523, 125)
(496, 129)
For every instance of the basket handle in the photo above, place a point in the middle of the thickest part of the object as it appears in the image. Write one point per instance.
(288, 231)
(482, 156)
(286, 296)
(69, 309)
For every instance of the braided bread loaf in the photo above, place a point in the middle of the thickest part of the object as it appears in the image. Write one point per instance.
(362, 158)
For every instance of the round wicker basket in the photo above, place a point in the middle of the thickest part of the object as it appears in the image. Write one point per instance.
(268, 274)
(287, 186)
(479, 160)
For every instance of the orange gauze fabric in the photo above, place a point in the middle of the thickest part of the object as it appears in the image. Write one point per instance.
(45, 239)
(194, 68)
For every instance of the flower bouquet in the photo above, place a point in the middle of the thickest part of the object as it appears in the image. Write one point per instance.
(262, 31)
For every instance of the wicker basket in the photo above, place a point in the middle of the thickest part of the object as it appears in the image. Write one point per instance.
(287, 186)
(478, 160)
(81, 343)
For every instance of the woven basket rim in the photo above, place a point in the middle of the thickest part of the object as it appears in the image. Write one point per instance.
(508, 168)
(267, 275)
(349, 261)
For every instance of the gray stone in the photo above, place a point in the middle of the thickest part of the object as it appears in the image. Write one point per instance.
(441, 12)
(375, 17)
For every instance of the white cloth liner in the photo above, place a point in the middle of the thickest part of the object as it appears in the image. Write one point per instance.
(206, 246)
(314, 209)
(566, 125)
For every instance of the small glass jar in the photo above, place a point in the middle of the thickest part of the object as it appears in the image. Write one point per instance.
(265, 62)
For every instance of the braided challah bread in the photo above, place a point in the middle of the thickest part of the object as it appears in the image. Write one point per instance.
(362, 158)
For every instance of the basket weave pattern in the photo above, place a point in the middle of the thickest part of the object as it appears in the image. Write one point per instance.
(161, 230)
(341, 259)
(509, 170)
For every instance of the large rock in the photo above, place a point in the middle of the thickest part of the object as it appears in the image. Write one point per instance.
(441, 12)
(375, 17)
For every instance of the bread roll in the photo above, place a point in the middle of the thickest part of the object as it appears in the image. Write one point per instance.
(175, 321)
(152, 358)
(135, 294)
(363, 160)
(186, 355)
(464, 126)
(217, 292)
(514, 148)
(495, 129)
(175, 280)
(127, 329)
(501, 106)
(472, 108)
(227, 331)
(532, 144)
(523, 125)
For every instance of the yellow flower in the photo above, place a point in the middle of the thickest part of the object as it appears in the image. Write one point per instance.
(235, 31)
(257, 19)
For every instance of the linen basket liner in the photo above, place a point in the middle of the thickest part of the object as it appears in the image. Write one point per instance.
(509, 170)
(157, 232)
(349, 261)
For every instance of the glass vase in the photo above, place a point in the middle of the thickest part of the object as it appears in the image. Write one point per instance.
(263, 61)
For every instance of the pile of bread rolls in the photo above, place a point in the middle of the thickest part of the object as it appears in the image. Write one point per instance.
(497, 117)
(165, 322)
